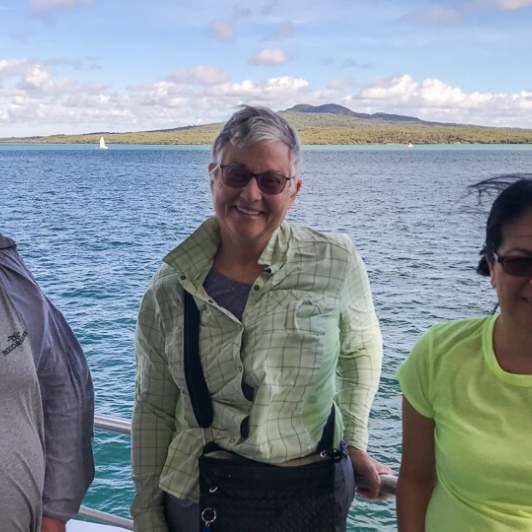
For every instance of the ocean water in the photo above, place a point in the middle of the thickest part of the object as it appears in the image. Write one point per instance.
(94, 224)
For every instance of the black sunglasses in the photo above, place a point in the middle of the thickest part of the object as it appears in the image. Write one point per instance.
(516, 266)
(238, 176)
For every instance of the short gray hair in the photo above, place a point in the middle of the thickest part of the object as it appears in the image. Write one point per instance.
(250, 125)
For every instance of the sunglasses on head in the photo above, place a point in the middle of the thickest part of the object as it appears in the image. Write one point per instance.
(516, 266)
(238, 176)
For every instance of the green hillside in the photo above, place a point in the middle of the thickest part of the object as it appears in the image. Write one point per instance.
(338, 125)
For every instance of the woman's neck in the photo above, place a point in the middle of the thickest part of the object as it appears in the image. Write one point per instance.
(513, 348)
(237, 264)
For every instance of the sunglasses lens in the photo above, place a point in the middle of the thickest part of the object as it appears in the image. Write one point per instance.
(518, 266)
(239, 176)
(271, 183)
(235, 176)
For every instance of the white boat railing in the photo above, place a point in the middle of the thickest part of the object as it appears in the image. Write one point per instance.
(104, 518)
(123, 426)
(120, 426)
(112, 424)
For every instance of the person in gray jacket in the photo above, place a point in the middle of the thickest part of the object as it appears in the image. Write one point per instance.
(47, 406)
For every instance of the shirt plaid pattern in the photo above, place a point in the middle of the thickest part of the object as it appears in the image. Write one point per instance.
(308, 336)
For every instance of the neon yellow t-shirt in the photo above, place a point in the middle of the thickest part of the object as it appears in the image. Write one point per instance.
(483, 434)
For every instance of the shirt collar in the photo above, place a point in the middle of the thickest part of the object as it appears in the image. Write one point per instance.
(194, 256)
(274, 254)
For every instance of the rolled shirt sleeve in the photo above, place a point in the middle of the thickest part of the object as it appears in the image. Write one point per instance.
(360, 359)
(153, 423)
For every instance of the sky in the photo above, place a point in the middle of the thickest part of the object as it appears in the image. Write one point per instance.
(83, 66)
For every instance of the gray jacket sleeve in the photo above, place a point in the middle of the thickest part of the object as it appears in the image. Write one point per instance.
(66, 389)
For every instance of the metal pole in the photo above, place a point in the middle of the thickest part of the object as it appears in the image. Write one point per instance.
(105, 518)
(112, 424)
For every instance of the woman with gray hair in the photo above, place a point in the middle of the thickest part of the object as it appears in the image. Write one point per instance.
(287, 330)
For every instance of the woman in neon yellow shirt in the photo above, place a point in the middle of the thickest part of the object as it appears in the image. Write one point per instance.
(467, 385)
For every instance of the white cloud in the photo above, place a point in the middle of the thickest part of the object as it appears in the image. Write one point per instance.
(514, 4)
(435, 100)
(173, 105)
(270, 57)
(501, 4)
(54, 4)
(223, 30)
(34, 101)
(12, 68)
(37, 78)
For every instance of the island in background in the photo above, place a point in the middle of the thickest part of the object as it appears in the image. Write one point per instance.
(324, 124)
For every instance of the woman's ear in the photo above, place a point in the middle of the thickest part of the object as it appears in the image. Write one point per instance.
(212, 167)
(491, 267)
(293, 194)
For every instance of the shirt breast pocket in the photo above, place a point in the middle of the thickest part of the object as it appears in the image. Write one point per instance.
(302, 313)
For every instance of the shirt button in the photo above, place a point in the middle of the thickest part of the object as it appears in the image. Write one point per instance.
(232, 440)
(256, 287)
(210, 301)
(268, 270)
(183, 277)
(240, 368)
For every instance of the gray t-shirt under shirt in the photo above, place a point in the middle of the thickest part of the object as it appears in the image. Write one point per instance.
(233, 296)
(229, 294)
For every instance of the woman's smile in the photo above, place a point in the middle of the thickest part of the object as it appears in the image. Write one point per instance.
(246, 211)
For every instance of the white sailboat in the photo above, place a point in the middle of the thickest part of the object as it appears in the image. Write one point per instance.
(102, 144)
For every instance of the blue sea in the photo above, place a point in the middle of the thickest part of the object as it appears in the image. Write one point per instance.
(94, 224)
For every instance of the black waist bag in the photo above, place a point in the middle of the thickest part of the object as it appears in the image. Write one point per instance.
(242, 495)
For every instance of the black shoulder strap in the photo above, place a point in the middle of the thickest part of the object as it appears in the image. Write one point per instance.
(197, 387)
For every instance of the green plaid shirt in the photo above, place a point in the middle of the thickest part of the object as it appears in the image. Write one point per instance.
(308, 336)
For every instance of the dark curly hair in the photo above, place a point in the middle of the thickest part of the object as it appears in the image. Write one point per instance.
(513, 201)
